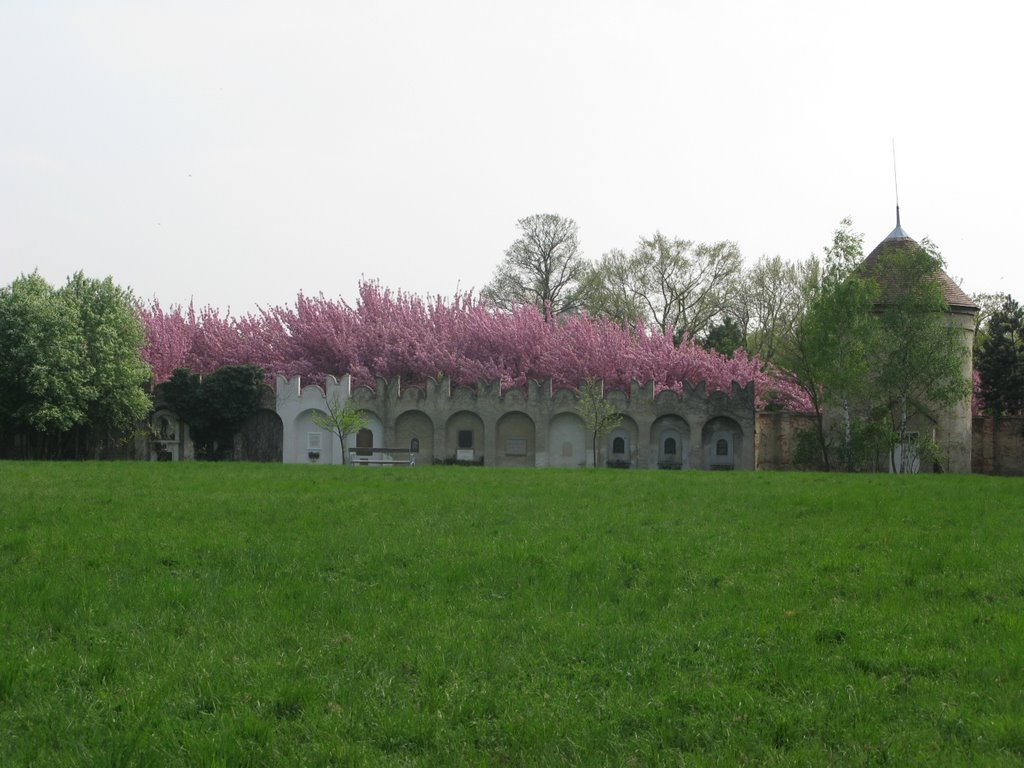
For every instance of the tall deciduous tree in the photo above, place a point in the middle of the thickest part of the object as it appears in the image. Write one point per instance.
(544, 267)
(705, 287)
(611, 292)
(71, 375)
(44, 382)
(920, 360)
(108, 320)
(832, 350)
(672, 284)
(988, 304)
(769, 300)
(1000, 360)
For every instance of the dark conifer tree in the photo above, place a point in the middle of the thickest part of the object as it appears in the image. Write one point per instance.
(1001, 361)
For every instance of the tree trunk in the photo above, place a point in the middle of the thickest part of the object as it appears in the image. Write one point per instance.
(819, 423)
(847, 435)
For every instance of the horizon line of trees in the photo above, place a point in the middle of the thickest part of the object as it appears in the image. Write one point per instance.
(74, 361)
(674, 285)
(704, 291)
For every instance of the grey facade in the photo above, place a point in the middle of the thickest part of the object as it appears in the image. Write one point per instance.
(534, 427)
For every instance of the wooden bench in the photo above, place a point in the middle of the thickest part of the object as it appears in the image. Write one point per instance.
(369, 456)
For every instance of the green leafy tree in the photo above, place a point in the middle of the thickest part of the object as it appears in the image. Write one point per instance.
(877, 343)
(918, 366)
(988, 304)
(830, 353)
(768, 302)
(44, 386)
(342, 420)
(610, 292)
(215, 406)
(71, 375)
(599, 416)
(724, 337)
(1000, 360)
(666, 282)
(116, 372)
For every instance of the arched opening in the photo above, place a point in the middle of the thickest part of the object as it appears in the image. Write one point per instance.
(722, 440)
(166, 444)
(620, 447)
(670, 442)
(311, 444)
(516, 441)
(415, 430)
(364, 442)
(464, 438)
(567, 441)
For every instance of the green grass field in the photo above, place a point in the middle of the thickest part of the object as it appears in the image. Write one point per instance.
(222, 615)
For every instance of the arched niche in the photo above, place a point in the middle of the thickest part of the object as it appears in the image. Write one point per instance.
(167, 443)
(414, 430)
(722, 443)
(621, 444)
(366, 439)
(567, 441)
(670, 442)
(464, 437)
(311, 444)
(516, 441)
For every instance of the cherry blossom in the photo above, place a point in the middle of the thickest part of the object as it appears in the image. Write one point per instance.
(392, 333)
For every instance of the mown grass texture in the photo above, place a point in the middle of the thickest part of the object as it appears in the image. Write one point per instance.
(232, 614)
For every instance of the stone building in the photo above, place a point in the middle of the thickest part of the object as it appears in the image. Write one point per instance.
(540, 426)
(951, 426)
(534, 427)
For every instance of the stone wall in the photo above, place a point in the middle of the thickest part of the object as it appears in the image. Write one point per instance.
(998, 445)
(537, 426)
(777, 438)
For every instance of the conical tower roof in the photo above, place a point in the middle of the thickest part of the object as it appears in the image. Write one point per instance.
(898, 239)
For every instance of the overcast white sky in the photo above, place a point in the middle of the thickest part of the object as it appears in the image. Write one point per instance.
(239, 152)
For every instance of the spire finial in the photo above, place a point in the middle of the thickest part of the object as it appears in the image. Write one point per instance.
(896, 182)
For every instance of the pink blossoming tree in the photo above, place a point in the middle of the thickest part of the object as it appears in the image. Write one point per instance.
(392, 334)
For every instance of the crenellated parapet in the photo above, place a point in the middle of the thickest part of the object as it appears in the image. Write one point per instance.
(291, 390)
(439, 391)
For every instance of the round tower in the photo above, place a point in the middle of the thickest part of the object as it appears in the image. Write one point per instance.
(952, 425)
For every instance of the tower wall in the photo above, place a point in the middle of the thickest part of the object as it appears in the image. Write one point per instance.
(955, 424)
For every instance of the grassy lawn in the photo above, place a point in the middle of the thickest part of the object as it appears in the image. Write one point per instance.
(200, 614)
